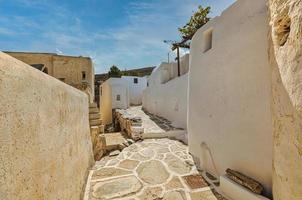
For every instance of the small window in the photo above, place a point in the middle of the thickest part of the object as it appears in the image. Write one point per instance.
(83, 75)
(40, 67)
(147, 83)
(207, 39)
(118, 97)
(62, 79)
(135, 80)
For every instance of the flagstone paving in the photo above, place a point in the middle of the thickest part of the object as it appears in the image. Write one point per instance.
(152, 169)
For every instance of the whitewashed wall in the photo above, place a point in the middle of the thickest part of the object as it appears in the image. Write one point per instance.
(130, 94)
(229, 112)
(135, 89)
(166, 95)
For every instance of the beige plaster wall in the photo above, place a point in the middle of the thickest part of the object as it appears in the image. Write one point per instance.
(106, 103)
(45, 145)
(229, 115)
(36, 58)
(71, 69)
(68, 67)
(286, 64)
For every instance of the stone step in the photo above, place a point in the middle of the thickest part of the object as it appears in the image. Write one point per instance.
(95, 122)
(94, 116)
(93, 105)
(114, 141)
(102, 128)
(94, 110)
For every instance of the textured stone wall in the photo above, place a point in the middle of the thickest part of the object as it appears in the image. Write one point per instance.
(67, 68)
(45, 145)
(286, 62)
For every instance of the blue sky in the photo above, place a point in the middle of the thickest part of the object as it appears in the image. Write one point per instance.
(127, 33)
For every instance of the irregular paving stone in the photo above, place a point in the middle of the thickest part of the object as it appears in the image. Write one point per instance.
(121, 156)
(116, 188)
(176, 195)
(174, 184)
(207, 195)
(149, 153)
(152, 172)
(177, 165)
(195, 181)
(163, 150)
(155, 145)
(140, 157)
(109, 173)
(132, 148)
(159, 156)
(113, 162)
(151, 193)
(176, 148)
(128, 164)
(114, 153)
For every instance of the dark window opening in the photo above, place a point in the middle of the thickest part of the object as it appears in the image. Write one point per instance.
(118, 97)
(208, 37)
(135, 80)
(45, 70)
(62, 79)
(40, 67)
(83, 75)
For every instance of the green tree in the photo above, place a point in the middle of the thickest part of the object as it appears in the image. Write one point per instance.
(197, 20)
(114, 72)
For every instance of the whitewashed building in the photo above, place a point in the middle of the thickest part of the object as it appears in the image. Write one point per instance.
(229, 112)
(120, 93)
(166, 94)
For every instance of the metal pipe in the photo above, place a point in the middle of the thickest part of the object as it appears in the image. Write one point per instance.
(178, 61)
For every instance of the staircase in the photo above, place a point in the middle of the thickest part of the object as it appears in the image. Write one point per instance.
(95, 118)
(96, 130)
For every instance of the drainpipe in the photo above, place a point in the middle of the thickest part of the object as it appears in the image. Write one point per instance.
(178, 62)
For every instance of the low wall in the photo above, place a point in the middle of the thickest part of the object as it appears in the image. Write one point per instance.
(168, 100)
(45, 145)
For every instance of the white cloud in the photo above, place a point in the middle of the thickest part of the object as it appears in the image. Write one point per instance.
(137, 43)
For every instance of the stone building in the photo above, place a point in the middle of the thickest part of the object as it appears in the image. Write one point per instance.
(75, 71)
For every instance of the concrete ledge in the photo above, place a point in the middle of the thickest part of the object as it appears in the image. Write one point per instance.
(237, 192)
(175, 134)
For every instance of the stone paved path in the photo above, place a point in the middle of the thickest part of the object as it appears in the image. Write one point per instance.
(149, 170)
(149, 125)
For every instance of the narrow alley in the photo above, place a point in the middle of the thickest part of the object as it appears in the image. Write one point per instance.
(150, 169)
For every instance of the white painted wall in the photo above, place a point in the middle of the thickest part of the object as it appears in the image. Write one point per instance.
(166, 95)
(229, 94)
(135, 89)
(129, 92)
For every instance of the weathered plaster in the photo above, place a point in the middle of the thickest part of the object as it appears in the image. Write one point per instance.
(285, 59)
(45, 145)
(69, 68)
